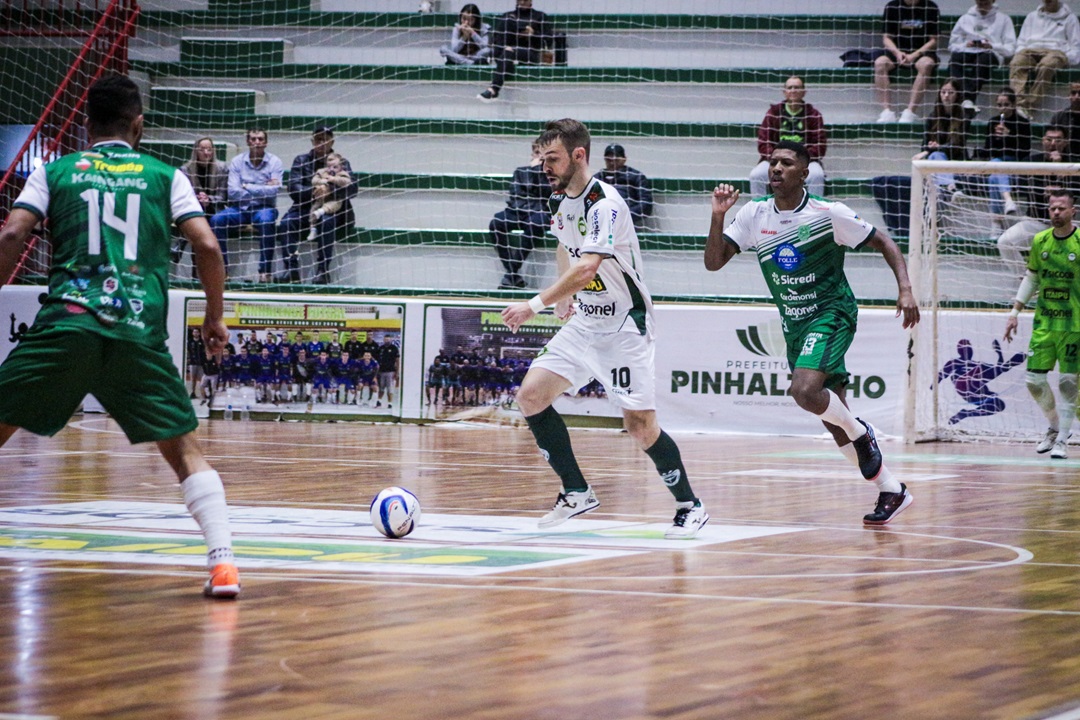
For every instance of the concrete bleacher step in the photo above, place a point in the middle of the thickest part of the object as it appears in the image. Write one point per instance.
(235, 51)
(475, 154)
(225, 100)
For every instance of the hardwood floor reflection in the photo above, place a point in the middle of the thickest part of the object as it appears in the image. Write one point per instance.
(968, 606)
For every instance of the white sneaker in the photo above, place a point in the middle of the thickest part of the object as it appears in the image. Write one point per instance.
(1047, 442)
(1060, 451)
(687, 522)
(908, 116)
(569, 505)
(886, 116)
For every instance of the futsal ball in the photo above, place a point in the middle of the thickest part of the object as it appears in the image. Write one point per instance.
(395, 512)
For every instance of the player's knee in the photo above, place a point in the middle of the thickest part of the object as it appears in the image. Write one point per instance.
(807, 395)
(1037, 382)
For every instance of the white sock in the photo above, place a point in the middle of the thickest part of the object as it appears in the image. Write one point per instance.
(1067, 406)
(838, 414)
(204, 496)
(884, 481)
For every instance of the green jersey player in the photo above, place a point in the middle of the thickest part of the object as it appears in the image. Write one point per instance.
(1054, 270)
(101, 329)
(800, 241)
(609, 335)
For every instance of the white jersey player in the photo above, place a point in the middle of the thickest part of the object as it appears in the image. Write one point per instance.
(609, 335)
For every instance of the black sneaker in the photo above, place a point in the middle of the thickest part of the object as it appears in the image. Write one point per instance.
(869, 453)
(889, 505)
(488, 95)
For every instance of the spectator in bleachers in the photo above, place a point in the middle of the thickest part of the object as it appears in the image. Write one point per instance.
(468, 40)
(632, 184)
(910, 36)
(210, 179)
(1008, 138)
(1015, 242)
(982, 39)
(254, 180)
(330, 178)
(797, 120)
(515, 230)
(946, 133)
(297, 221)
(520, 36)
(1049, 40)
(1069, 119)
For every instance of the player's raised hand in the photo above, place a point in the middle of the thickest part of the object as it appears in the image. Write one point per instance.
(724, 196)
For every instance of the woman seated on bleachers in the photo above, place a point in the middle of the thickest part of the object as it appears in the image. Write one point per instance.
(945, 137)
(1008, 138)
(468, 40)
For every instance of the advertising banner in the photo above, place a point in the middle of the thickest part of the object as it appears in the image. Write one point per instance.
(298, 356)
(725, 370)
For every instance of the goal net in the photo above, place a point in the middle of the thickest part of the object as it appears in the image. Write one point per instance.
(967, 256)
(681, 85)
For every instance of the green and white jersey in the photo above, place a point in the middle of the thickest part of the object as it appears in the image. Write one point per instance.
(1055, 260)
(801, 253)
(598, 221)
(109, 210)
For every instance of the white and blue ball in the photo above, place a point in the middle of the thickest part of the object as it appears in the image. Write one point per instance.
(395, 512)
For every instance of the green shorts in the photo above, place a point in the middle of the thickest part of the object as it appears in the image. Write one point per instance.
(1054, 346)
(52, 369)
(821, 345)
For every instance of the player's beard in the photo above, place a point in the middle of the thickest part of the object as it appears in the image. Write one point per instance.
(561, 182)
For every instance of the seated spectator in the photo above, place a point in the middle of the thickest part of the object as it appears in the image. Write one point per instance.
(254, 179)
(323, 185)
(631, 184)
(981, 40)
(515, 230)
(521, 35)
(210, 179)
(468, 40)
(1069, 119)
(298, 221)
(1049, 40)
(793, 119)
(946, 134)
(1015, 242)
(1008, 138)
(910, 36)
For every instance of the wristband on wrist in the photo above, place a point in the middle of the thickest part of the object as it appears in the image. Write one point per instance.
(1014, 312)
(536, 304)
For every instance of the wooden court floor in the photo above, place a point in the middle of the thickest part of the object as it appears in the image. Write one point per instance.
(968, 606)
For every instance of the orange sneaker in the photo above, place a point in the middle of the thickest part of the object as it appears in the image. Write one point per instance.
(224, 582)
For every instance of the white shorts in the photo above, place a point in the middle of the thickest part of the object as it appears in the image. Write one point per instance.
(624, 363)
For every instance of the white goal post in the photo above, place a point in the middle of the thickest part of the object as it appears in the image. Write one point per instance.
(966, 258)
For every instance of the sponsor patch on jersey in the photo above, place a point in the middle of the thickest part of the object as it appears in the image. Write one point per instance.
(560, 221)
(1045, 255)
(1057, 294)
(596, 286)
(787, 256)
(581, 225)
(136, 306)
(82, 164)
(110, 285)
(1072, 257)
(804, 232)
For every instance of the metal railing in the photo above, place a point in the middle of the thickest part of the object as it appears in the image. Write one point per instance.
(59, 128)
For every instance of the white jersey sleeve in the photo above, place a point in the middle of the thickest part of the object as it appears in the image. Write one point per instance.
(849, 229)
(35, 194)
(600, 228)
(182, 200)
(741, 230)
